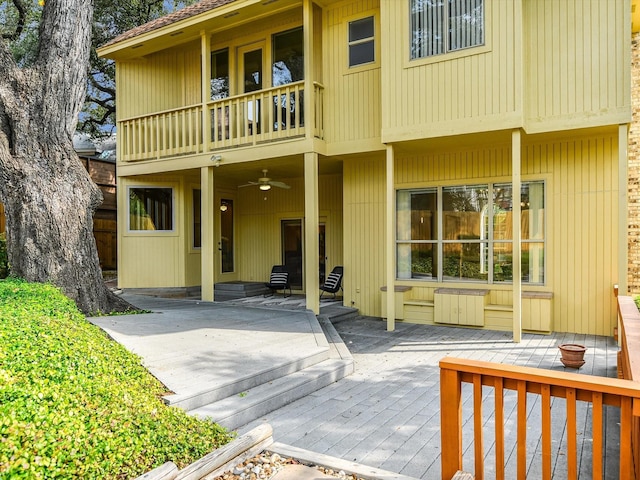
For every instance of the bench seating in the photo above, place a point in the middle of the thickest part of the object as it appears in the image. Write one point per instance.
(536, 308)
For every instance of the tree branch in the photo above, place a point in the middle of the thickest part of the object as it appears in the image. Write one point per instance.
(22, 16)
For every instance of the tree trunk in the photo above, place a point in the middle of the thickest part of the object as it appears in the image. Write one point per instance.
(48, 195)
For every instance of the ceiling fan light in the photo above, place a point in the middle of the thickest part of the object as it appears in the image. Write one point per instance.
(265, 187)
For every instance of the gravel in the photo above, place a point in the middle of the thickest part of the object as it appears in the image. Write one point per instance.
(267, 464)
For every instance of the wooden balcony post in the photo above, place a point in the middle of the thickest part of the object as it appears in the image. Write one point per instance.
(205, 47)
(309, 101)
(450, 422)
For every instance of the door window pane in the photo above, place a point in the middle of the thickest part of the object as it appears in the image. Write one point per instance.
(150, 208)
(288, 57)
(253, 71)
(220, 74)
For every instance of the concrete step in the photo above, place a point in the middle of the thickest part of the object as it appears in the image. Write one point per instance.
(338, 313)
(248, 405)
(236, 386)
(242, 408)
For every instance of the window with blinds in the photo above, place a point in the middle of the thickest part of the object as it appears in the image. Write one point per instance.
(442, 26)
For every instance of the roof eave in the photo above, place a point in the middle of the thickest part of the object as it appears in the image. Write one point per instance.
(129, 45)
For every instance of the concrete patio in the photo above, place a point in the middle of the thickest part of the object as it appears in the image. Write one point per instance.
(386, 413)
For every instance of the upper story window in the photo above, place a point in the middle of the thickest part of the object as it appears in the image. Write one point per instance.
(151, 208)
(288, 57)
(443, 26)
(361, 42)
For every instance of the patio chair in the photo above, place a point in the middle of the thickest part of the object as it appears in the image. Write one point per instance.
(279, 280)
(333, 283)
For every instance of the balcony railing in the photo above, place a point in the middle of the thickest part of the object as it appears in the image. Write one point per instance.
(629, 363)
(270, 115)
(547, 384)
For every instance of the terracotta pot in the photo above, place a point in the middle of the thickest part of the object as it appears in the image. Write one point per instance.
(572, 355)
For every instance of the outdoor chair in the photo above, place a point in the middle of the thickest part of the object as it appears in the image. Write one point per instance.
(333, 283)
(279, 280)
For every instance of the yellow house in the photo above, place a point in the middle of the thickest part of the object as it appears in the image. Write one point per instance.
(471, 154)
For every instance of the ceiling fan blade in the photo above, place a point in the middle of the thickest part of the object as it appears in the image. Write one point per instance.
(250, 184)
(279, 184)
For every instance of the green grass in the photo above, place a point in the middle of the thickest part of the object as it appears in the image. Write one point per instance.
(75, 404)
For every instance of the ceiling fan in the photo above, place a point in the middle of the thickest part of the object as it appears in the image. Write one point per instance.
(265, 183)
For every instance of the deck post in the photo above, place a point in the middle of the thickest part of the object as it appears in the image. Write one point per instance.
(390, 247)
(450, 422)
(516, 228)
(205, 46)
(207, 254)
(311, 224)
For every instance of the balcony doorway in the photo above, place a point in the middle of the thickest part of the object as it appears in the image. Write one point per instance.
(293, 252)
(251, 76)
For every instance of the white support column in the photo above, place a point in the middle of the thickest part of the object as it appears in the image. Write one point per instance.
(205, 54)
(623, 210)
(207, 250)
(311, 225)
(390, 245)
(516, 228)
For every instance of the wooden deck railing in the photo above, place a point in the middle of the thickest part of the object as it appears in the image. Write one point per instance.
(597, 391)
(629, 362)
(163, 134)
(269, 115)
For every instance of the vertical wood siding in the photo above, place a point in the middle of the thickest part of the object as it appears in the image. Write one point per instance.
(576, 59)
(455, 90)
(151, 260)
(161, 81)
(353, 98)
(259, 224)
(364, 227)
(581, 181)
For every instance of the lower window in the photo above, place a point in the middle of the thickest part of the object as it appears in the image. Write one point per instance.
(465, 233)
(150, 208)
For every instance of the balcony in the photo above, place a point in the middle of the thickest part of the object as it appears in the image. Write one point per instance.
(249, 120)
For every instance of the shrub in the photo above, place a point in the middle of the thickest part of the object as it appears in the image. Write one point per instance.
(75, 404)
(4, 258)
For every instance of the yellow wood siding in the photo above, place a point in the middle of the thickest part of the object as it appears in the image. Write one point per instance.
(259, 224)
(353, 95)
(581, 183)
(477, 89)
(151, 259)
(161, 81)
(575, 63)
(364, 226)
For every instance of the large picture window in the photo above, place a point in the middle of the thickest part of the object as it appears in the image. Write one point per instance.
(465, 233)
(151, 208)
(443, 26)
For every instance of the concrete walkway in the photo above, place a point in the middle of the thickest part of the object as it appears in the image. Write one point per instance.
(386, 414)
